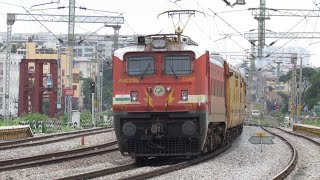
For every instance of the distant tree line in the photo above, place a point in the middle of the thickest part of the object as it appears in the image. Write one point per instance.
(311, 87)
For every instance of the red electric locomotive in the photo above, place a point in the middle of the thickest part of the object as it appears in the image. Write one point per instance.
(172, 98)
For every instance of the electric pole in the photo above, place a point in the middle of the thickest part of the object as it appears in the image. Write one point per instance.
(294, 87)
(261, 27)
(71, 22)
(300, 93)
(251, 71)
(10, 22)
(278, 70)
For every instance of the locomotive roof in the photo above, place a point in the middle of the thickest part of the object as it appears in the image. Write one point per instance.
(217, 60)
(119, 53)
(173, 42)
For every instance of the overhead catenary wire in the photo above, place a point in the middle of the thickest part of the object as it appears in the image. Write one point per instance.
(59, 39)
(287, 41)
(210, 38)
(215, 14)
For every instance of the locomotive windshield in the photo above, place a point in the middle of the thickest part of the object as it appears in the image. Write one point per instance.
(140, 65)
(177, 65)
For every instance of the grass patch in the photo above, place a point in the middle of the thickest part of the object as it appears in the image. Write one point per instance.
(313, 123)
(9, 123)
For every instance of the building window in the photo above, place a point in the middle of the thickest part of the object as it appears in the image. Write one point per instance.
(1, 101)
(76, 77)
(75, 87)
(1, 69)
(88, 50)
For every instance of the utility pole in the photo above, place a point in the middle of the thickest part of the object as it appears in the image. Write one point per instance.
(92, 109)
(59, 103)
(261, 27)
(99, 82)
(278, 70)
(10, 22)
(294, 87)
(300, 93)
(71, 22)
(251, 71)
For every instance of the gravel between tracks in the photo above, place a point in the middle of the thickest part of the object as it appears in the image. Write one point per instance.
(74, 143)
(308, 165)
(67, 168)
(242, 161)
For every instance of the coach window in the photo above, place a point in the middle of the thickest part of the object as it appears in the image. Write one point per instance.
(138, 65)
(178, 64)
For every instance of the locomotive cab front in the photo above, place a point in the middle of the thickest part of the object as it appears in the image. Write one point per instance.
(160, 97)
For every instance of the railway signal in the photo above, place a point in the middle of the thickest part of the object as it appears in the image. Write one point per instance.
(261, 138)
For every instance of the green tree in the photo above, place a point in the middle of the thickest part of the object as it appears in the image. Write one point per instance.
(85, 119)
(307, 74)
(33, 117)
(285, 102)
(87, 102)
(107, 92)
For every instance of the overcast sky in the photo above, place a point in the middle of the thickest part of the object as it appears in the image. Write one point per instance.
(141, 18)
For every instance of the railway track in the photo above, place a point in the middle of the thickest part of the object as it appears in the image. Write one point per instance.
(149, 174)
(57, 157)
(48, 139)
(294, 158)
(304, 167)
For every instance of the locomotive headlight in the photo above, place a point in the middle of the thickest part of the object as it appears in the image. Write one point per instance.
(159, 43)
(184, 95)
(134, 95)
(129, 129)
(188, 128)
(168, 88)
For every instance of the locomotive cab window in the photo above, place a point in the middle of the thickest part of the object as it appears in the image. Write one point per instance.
(140, 65)
(177, 65)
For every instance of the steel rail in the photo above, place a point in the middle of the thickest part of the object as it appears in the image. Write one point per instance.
(60, 157)
(178, 166)
(46, 136)
(301, 136)
(293, 162)
(31, 143)
(100, 173)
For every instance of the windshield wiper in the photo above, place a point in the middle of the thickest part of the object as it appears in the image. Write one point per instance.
(145, 71)
(173, 71)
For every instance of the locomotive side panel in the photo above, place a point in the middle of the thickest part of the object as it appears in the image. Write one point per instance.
(217, 112)
(234, 93)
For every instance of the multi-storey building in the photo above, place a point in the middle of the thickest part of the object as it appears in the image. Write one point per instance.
(89, 51)
(14, 83)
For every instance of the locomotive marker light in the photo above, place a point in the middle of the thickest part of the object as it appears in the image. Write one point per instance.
(184, 95)
(134, 95)
(168, 89)
(129, 129)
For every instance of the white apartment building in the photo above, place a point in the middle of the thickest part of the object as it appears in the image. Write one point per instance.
(14, 83)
